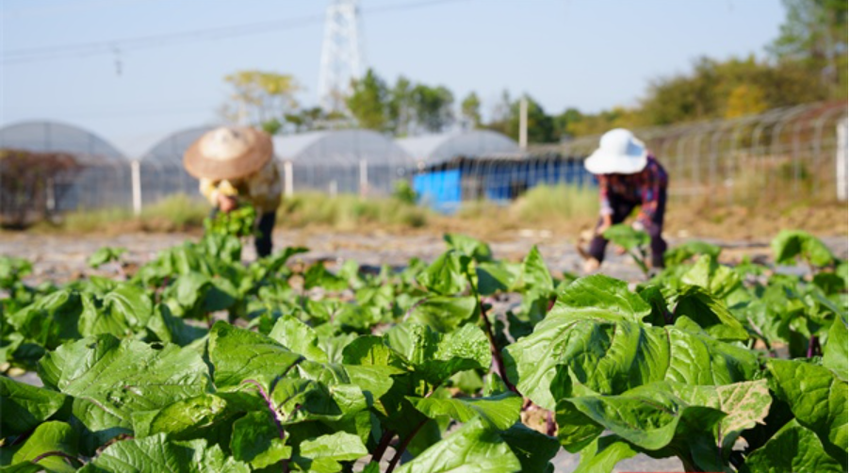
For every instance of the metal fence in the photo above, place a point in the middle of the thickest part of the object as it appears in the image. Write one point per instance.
(791, 153)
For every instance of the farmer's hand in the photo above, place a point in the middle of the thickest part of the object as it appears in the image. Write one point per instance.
(226, 203)
(591, 265)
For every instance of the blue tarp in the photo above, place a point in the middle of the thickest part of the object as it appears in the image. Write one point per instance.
(439, 190)
(499, 181)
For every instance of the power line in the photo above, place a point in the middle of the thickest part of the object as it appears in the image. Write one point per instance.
(145, 42)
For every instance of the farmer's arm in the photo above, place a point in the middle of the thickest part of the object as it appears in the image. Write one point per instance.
(220, 194)
(654, 180)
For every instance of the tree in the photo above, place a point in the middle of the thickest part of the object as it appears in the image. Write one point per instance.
(401, 108)
(815, 32)
(368, 102)
(541, 127)
(260, 98)
(470, 110)
(433, 106)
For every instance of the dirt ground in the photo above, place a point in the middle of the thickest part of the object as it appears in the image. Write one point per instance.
(62, 257)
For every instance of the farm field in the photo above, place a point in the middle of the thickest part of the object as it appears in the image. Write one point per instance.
(456, 353)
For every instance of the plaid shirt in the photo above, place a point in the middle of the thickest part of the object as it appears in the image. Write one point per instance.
(641, 188)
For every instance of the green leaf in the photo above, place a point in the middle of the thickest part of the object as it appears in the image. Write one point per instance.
(256, 440)
(501, 411)
(187, 418)
(119, 312)
(104, 255)
(625, 236)
(448, 274)
(611, 357)
(50, 436)
(715, 278)
(496, 276)
(793, 448)
(710, 313)
(651, 416)
(23, 407)
(51, 320)
(157, 454)
(681, 253)
(238, 355)
(603, 454)
(111, 379)
(438, 356)
(298, 337)
(168, 328)
(327, 451)
(472, 448)
(533, 449)
(817, 397)
(535, 275)
(601, 296)
(476, 249)
(835, 353)
(791, 244)
(445, 313)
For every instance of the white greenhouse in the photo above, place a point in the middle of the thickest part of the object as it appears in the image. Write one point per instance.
(341, 161)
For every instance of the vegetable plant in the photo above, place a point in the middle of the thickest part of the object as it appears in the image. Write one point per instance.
(199, 362)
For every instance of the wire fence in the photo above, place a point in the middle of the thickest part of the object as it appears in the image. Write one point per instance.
(795, 153)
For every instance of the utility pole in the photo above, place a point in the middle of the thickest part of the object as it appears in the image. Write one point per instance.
(523, 122)
(341, 54)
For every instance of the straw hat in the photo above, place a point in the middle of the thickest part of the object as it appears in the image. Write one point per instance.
(619, 152)
(228, 153)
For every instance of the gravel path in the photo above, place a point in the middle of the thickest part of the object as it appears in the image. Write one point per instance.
(61, 258)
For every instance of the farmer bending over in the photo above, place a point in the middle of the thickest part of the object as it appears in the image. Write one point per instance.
(235, 167)
(628, 177)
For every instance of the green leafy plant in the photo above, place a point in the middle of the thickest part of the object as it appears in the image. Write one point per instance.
(199, 363)
(239, 222)
(635, 242)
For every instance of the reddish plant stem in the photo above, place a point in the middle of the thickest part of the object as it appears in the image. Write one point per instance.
(382, 445)
(269, 404)
(55, 453)
(814, 347)
(494, 350)
(403, 446)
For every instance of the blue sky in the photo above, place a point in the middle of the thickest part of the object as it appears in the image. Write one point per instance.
(589, 54)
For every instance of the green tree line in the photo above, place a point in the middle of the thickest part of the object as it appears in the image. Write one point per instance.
(806, 63)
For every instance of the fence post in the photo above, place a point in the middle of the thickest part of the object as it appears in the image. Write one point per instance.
(841, 160)
(136, 176)
(364, 178)
(287, 179)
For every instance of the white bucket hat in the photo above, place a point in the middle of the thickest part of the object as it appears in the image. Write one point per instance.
(619, 152)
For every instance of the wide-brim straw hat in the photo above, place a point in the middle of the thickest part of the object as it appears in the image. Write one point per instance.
(228, 153)
(619, 152)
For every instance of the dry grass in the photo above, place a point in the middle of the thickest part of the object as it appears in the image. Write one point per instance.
(560, 210)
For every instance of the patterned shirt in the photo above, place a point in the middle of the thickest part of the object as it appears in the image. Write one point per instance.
(262, 189)
(640, 188)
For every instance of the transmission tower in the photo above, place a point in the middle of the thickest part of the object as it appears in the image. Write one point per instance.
(340, 54)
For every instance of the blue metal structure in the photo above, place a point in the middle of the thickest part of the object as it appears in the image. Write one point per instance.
(445, 186)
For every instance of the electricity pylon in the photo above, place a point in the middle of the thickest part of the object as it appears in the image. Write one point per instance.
(341, 56)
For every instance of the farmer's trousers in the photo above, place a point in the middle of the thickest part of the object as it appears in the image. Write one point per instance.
(263, 240)
(622, 208)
